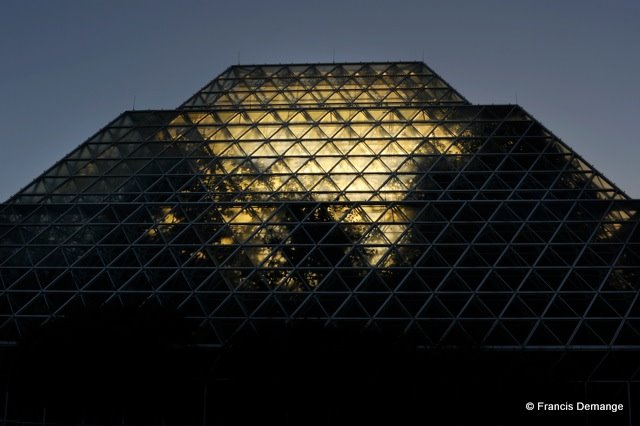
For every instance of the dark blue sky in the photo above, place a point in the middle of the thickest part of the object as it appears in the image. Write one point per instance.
(70, 67)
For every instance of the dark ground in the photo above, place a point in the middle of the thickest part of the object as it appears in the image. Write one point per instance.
(141, 368)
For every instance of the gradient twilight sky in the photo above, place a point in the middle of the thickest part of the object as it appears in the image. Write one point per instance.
(69, 67)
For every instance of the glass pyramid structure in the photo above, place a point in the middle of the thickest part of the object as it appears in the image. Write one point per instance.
(357, 195)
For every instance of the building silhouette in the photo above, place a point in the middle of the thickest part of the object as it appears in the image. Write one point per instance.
(289, 229)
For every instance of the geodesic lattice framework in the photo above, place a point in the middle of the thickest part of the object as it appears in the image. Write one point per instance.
(371, 195)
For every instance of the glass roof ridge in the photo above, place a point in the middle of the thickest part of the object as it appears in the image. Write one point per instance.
(570, 149)
(400, 82)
